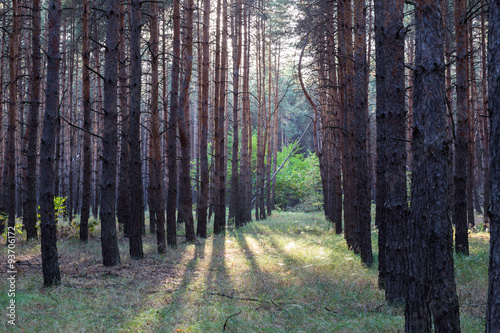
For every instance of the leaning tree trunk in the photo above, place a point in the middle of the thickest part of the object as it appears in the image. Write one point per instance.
(493, 308)
(50, 265)
(431, 290)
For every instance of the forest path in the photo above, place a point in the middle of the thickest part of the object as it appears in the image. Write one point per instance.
(289, 273)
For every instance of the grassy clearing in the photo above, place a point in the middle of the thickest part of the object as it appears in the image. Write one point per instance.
(290, 273)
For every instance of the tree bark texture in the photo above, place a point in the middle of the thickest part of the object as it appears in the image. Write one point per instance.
(431, 290)
(462, 132)
(493, 307)
(30, 203)
(109, 240)
(391, 197)
(136, 193)
(50, 265)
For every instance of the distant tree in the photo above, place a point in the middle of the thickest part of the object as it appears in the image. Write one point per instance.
(123, 200)
(202, 204)
(50, 264)
(235, 201)
(30, 203)
(431, 290)
(493, 307)
(157, 209)
(462, 132)
(172, 129)
(246, 131)
(9, 176)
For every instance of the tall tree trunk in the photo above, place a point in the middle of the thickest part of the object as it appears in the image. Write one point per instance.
(493, 307)
(123, 200)
(484, 117)
(246, 134)
(391, 197)
(462, 134)
(10, 151)
(109, 241)
(136, 193)
(157, 209)
(362, 201)
(235, 202)
(172, 131)
(202, 203)
(431, 290)
(30, 204)
(50, 264)
(186, 203)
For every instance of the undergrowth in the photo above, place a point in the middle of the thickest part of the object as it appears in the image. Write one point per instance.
(290, 273)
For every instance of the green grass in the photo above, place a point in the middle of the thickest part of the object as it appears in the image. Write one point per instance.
(290, 273)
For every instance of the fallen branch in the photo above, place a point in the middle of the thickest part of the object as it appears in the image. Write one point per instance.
(225, 323)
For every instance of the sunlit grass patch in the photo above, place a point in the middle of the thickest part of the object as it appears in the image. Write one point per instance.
(289, 273)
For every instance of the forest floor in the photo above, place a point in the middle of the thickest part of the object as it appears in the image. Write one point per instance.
(289, 273)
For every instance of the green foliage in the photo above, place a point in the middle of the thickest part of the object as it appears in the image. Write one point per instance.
(59, 208)
(18, 228)
(298, 184)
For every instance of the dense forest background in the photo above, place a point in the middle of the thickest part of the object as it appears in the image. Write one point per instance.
(207, 114)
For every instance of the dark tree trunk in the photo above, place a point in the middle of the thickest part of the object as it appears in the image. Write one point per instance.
(431, 290)
(172, 131)
(157, 209)
(123, 200)
(493, 308)
(202, 204)
(391, 197)
(50, 265)
(362, 201)
(10, 148)
(136, 193)
(186, 203)
(246, 137)
(484, 118)
(235, 202)
(109, 241)
(462, 133)
(30, 204)
(87, 126)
